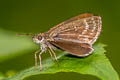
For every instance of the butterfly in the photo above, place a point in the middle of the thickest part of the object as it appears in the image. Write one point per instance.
(75, 36)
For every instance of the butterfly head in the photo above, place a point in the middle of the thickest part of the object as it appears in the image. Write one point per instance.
(37, 38)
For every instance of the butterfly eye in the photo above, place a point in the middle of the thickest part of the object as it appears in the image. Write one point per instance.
(39, 37)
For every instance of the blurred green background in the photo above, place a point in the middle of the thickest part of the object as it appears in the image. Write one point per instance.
(34, 16)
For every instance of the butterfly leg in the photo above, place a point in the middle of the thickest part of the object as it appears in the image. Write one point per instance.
(40, 60)
(36, 57)
(54, 54)
(51, 55)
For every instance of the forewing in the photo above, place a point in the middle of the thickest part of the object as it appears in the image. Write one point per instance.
(75, 48)
(84, 28)
(53, 29)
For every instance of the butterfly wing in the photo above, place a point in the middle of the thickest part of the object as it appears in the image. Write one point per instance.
(74, 48)
(84, 28)
(77, 34)
(53, 29)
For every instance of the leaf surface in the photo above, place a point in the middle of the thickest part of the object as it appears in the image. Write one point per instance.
(97, 64)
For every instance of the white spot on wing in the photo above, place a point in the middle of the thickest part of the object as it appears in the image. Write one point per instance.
(86, 27)
(94, 25)
(75, 28)
(98, 30)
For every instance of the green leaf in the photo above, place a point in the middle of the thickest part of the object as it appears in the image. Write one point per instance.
(96, 64)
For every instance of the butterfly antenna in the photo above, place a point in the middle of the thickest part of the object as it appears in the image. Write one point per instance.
(26, 34)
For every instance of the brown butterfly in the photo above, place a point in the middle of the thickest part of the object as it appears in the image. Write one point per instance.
(75, 36)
